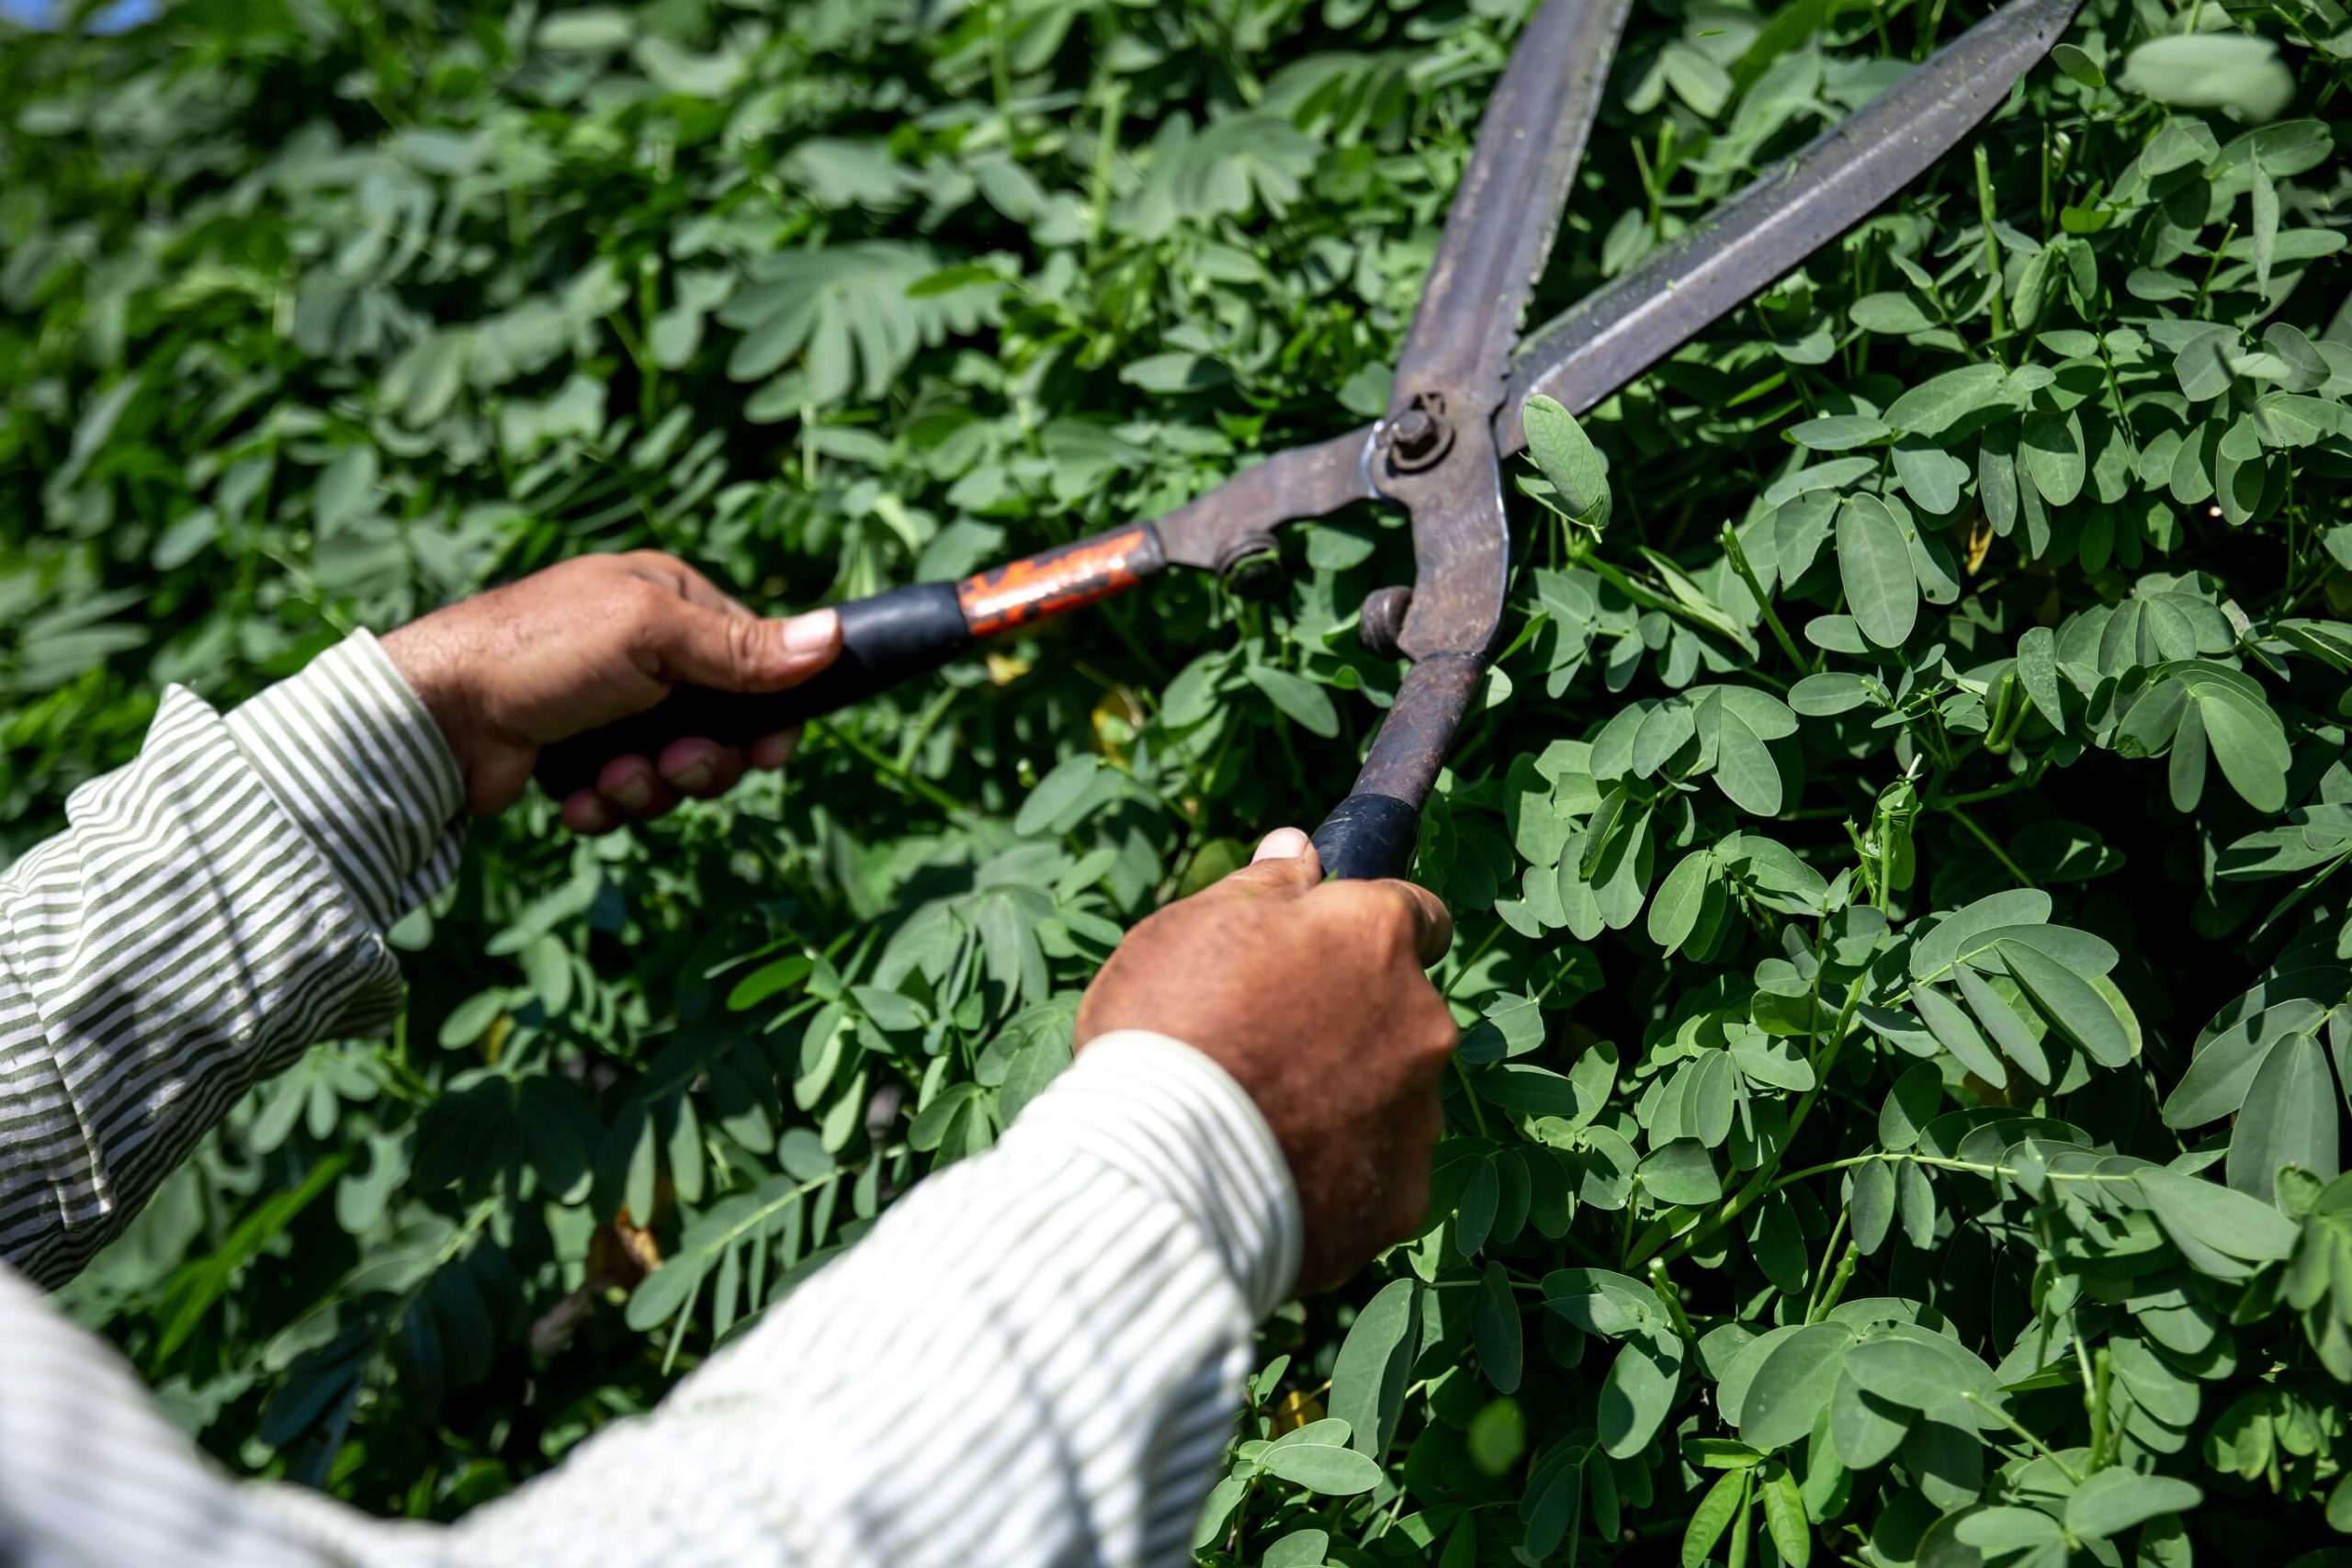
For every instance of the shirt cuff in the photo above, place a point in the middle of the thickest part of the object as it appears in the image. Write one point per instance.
(355, 759)
(1165, 1116)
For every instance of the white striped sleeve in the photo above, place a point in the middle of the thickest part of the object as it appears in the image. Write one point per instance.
(1034, 1359)
(212, 910)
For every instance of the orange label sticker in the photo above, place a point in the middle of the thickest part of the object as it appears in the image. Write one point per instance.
(1041, 585)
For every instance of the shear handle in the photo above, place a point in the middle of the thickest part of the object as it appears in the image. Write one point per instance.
(886, 639)
(1372, 833)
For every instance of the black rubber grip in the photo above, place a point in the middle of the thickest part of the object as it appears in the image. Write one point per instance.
(890, 638)
(1368, 837)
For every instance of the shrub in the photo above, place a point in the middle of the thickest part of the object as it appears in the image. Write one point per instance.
(1898, 1115)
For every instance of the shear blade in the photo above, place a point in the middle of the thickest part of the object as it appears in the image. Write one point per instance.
(1782, 216)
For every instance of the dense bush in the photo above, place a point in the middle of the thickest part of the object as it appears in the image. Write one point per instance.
(1905, 978)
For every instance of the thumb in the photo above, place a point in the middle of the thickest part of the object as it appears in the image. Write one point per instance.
(1285, 861)
(699, 645)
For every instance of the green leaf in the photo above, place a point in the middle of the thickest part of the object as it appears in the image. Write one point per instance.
(1579, 472)
(1941, 401)
(1915, 1201)
(1376, 1358)
(2113, 1501)
(1056, 793)
(1872, 1206)
(1307, 705)
(2050, 450)
(2208, 1214)
(2223, 1069)
(2209, 71)
(2000, 1531)
(1829, 692)
(1745, 770)
(1865, 1429)
(1725, 1502)
(1681, 1172)
(1874, 564)
(586, 28)
(1910, 1105)
(2248, 741)
(1174, 372)
(1922, 1371)
(1784, 1517)
(1495, 1330)
(1953, 1031)
(1329, 1468)
(1299, 1549)
(1793, 1385)
(2011, 1033)
(1637, 1393)
(2070, 1002)
(1839, 431)
(2292, 1116)
(1674, 910)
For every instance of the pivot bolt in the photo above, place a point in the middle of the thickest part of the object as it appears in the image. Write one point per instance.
(1416, 432)
(1420, 436)
(1382, 620)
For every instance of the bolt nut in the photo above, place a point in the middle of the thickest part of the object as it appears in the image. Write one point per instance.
(1250, 568)
(1419, 438)
(1382, 620)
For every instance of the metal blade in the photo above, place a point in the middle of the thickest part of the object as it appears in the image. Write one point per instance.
(1498, 230)
(1784, 216)
(1238, 518)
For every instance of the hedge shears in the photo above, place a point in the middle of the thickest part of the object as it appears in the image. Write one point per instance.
(1453, 417)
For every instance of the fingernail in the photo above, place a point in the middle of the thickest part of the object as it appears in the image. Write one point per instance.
(775, 751)
(693, 775)
(1282, 843)
(812, 633)
(633, 793)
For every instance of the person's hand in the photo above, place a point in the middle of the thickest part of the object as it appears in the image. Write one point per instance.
(589, 641)
(1312, 995)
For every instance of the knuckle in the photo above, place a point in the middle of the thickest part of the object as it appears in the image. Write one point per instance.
(1392, 915)
(746, 643)
(644, 606)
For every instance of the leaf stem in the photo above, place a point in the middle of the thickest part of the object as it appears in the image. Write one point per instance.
(1760, 1183)
(1737, 555)
(1992, 254)
(1965, 820)
(1812, 1308)
(2206, 287)
(890, 767)
(2010, 1421)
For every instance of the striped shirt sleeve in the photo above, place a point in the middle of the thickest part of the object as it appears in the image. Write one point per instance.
(212, 910)
(1034, 1359)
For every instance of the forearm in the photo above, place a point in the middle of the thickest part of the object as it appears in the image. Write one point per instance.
(212, 910)
(1035, 1357)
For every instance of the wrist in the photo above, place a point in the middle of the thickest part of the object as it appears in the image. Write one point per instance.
(354, 756)
(434, 676)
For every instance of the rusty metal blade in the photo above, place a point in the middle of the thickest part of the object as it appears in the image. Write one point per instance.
(1238, 518)
(1499, 232)
(1784, 216)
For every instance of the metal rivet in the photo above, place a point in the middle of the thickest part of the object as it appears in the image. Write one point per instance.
(1383, 619)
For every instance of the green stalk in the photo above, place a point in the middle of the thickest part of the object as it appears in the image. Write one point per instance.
(1760, 1182)
(2032, 1441)
(1737, 554)
(1962, 817)
(1992, 251)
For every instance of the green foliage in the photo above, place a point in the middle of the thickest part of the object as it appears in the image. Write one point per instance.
(1903, 974)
